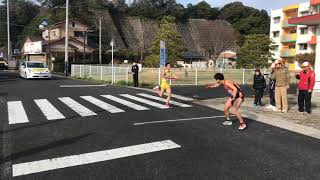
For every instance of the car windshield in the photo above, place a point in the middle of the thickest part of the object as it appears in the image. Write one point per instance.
(36, 65)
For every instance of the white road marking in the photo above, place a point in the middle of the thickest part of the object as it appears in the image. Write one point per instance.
(103, 105)
(89, 158)
(163, 100)
(16, 113)
(126, 103)
(80, 86)
(183, 98)
(77, 107)
(145, 101)
(177, 120)
(48, 109)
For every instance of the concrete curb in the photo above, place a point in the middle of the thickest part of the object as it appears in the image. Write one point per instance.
(297, 128)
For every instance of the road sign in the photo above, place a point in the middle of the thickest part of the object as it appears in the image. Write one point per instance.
(16, 51)
(162, 54)
(44, 22)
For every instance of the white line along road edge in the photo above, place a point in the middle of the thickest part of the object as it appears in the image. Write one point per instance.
(177, 120)
(89, 158)
(81, 86)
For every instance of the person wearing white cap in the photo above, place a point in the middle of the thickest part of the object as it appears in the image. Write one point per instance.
(282, 77)
(272, 88)
(306, 85)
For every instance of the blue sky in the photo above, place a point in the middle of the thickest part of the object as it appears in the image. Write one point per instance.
(260, 4)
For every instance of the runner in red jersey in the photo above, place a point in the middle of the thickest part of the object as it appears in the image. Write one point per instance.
(234, 102)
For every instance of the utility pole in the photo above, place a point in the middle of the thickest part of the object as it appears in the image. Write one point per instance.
(100, 42)
(8, 30)
(66, 55)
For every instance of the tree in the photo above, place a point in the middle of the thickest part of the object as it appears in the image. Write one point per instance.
(174, 45)
(202, 10)
(218, 37)
(309, 57)
(246, 20)
(254, 52)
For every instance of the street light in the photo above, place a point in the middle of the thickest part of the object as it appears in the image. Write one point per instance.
(112, 44)
(45, 25)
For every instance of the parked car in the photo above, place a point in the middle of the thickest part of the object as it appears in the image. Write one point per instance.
(34, 70)
(3, 64)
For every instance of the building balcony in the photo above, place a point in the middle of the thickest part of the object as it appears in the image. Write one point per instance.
(288, 53)
(313, 40)
(286, 24)
(310, 20)
(289, 38)
(291, 8)
(314, 2)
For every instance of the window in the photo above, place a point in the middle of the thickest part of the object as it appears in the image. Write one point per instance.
(276, 20)
(73, 24)
(78, 34)
(54, 33)
(303, 31)
(275, 48)
(304, 13)
(292, 47)
(276, 34)
(303, 47)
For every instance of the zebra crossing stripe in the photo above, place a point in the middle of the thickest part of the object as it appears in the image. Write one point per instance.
(16, 113)
(48, 109)
(145, 101)
(163, 100)
(103, 105)
(126, 103)
(77, 107)
(183, 98)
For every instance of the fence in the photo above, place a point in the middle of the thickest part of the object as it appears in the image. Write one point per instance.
(151, 76)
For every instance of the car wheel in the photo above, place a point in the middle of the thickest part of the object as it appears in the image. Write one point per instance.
(26, 76)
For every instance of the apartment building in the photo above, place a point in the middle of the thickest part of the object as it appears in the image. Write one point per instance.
(295, 29)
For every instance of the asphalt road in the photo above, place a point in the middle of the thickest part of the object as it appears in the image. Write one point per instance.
(201, 148)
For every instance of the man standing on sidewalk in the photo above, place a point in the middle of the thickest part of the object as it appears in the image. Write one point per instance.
(306, 85)
(272, 87)
(135, 72)
(281, 76)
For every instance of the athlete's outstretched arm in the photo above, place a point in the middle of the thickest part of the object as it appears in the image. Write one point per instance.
(212, 85)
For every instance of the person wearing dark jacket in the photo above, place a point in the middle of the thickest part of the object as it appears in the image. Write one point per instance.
(272, 88)
(306, 85)
(135, 73)
(259, 85)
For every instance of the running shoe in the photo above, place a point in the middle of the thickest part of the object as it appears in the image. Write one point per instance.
(168, 105)
(156, 88)
(227, 123)
(242, 127)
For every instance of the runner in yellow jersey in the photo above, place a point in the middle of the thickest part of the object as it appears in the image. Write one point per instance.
(166, 75)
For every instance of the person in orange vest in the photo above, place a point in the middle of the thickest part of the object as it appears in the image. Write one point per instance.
(306, 85)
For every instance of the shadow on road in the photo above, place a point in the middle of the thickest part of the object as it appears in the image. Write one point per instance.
(35, 150)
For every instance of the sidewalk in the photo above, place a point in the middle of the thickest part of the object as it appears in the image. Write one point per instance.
(293, 120)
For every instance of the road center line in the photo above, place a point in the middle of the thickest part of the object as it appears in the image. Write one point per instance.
(177, 120)
(89, 158)
(81, 86)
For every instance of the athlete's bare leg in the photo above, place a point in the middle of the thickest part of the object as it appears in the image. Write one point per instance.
(235, 108)
(168, 91)
(227, 107)
(161, 92)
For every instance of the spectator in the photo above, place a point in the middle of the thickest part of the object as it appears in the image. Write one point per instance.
(281, 76)
(135, 73)
(259, 85)
(306, 85)
(272, 87)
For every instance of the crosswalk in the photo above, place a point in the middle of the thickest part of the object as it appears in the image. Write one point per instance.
(17, 113)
